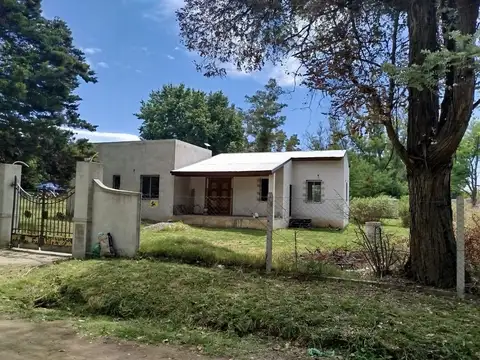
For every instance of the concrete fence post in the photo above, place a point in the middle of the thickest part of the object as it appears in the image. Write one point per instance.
(373, 230)
(8, 173)
(268, 243)
(460, 247)
(82, 228)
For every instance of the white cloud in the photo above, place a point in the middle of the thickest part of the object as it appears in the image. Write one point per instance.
(170, 57)
(100, 136)
(287, 74)
(91, 51)
(176, 48)
(163, 9)
(233, 71)
(138, 71)
(103, 65)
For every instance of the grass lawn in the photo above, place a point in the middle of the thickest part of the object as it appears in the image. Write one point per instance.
(238, 314)
(244, 246)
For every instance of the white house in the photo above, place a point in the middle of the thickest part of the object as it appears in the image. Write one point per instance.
(181, 181)
(231, 189)
(145, 166)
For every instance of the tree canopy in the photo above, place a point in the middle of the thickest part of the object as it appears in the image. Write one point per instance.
(467, 160)
(372, 58)
(375, 169)
(178, 112)
(39, 70)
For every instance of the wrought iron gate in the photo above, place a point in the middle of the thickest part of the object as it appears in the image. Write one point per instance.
(42, 219)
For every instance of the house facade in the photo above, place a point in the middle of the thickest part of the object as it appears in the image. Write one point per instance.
(180, 181)
(145, 166)
(231, 190)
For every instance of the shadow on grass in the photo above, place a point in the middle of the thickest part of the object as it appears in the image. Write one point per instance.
(194, 251)
(246, 232)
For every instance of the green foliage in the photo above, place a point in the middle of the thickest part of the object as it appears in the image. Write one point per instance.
(374, 168)
(40, 69)
(263, 119)
(178, 112)
(373, 209)
(404, 211)
(465, 170)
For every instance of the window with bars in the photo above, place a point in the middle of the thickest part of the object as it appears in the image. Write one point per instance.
(150, 186)
(263, 189)
(314, 191)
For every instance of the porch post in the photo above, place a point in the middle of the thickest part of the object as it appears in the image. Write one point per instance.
(86, 172)
(8, 173)
(271, 189)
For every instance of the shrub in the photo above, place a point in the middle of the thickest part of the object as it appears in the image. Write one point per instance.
(373, 209)
(382, 252)
(472, 241)
(404, 211)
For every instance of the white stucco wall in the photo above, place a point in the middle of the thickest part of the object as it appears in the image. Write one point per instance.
(346, 178)
(132, 159)
(331, 211)
(245, 197)
(188, 154)
(116, 212)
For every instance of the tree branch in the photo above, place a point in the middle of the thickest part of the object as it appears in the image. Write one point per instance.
(476, 104)
(397, 145)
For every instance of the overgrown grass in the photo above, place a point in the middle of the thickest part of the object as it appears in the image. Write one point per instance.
(223, 310)
(246, 248)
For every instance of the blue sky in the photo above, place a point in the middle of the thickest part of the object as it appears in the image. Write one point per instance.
(134, 47)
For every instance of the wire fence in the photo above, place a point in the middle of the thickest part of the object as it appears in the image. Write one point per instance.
(304, 235)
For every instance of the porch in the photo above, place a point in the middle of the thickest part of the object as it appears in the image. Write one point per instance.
(231, 200)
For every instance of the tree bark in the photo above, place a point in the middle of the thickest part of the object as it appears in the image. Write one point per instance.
(432, 241)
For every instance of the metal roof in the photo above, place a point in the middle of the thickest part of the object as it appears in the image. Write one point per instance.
(253, 163)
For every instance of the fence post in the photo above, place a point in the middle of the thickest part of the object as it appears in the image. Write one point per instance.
(268, 243)
(8, 174)
(460, 247)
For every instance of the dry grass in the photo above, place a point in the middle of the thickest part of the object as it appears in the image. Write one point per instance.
(243, 246)
(230, 312)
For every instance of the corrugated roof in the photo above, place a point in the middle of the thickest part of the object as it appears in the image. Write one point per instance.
(254, 162)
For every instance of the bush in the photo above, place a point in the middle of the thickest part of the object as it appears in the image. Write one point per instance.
(382, 252)
(373, 209)
(472, 241)
(404, 211)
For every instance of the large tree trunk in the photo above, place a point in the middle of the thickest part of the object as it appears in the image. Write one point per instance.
(433, 137)
(432, 241)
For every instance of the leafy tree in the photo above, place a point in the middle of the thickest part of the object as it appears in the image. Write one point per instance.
(282, 142)
(465, 169)
(293, 143)
(178, 112)
(263, 119)
(374, 168)
(372, 57)
(40, 69)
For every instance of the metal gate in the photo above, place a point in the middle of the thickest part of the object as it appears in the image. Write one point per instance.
(42, 219)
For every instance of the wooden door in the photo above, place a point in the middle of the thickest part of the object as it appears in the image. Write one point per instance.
(219, 198)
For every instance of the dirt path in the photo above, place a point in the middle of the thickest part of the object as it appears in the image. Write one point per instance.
(10, 257)
(21, 340)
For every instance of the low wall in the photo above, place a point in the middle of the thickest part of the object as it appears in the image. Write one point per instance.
(228, 222)
(116, 212)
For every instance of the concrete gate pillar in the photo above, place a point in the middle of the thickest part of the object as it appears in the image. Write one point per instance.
(86, 172)
(8, 173)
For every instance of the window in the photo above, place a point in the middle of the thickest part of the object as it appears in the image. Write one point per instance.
(264, 190)
(150, 185)
(116, 182)
(346, 190)
(314, 191)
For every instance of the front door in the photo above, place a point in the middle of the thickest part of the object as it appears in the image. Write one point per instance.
(219, 196)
